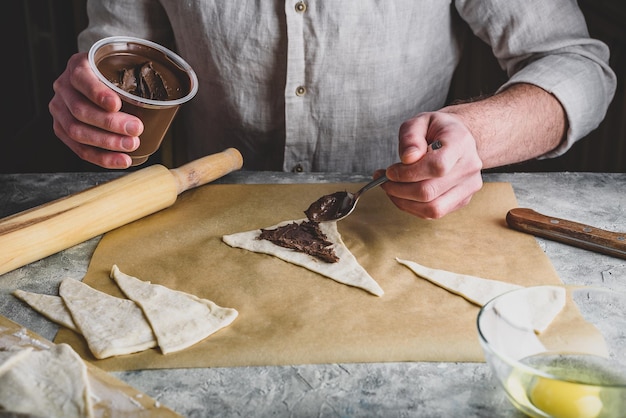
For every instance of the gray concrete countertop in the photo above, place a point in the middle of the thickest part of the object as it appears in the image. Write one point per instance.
(329, 390)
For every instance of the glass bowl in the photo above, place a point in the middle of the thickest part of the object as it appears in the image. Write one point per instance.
(558, 351)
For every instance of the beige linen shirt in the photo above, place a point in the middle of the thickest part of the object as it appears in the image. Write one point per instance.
(324, 85)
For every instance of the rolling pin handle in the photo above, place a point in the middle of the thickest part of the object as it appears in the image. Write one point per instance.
(206, 169)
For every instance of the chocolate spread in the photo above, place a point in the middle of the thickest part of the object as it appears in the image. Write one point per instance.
(306, 237)
(327, 208)
(143, 81)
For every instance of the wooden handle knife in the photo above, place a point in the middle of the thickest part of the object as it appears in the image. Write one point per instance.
(568, 232)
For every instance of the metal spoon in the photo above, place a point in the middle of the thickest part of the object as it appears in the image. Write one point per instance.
(336, 206)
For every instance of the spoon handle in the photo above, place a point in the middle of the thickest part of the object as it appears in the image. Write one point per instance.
(380, 180)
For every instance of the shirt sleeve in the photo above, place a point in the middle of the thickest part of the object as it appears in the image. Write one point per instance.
(546, 43)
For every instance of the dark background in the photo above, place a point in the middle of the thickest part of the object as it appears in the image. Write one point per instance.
(40, 35)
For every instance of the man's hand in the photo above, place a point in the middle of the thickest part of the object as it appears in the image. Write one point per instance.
(87, 118)
(515, 125)
(431, 183)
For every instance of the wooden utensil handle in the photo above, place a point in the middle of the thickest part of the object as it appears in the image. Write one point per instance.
(39, 232)
(568, 232)
(207, 169)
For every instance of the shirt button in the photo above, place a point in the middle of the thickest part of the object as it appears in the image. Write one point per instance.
(300, 91)
(300, 7)
(297, 168)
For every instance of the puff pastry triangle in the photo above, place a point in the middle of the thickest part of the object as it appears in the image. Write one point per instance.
(112, 326)
(347, 270)
(178, 319)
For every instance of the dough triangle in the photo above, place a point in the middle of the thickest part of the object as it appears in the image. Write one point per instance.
(50, 383)
(475, 289)
(346, 271)
(52, 307)
(8, 358)
(535, 313)
(112, 326)
(178, 319)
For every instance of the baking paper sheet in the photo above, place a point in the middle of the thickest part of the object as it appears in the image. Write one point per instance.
(289, 315)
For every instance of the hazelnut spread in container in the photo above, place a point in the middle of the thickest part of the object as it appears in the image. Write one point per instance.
(152, 82)
(305, 237)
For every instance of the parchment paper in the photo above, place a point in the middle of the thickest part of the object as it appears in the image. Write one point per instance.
(289, 315)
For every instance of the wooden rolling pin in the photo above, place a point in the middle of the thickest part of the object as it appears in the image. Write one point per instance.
(47, 229)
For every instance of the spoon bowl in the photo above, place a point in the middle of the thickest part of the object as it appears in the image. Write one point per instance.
(338, 205)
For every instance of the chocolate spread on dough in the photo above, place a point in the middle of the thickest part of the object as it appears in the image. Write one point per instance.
(143, 81)
(306, 237)
(326, 208)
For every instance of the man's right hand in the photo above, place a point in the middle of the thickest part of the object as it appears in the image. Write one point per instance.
(87, 118)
